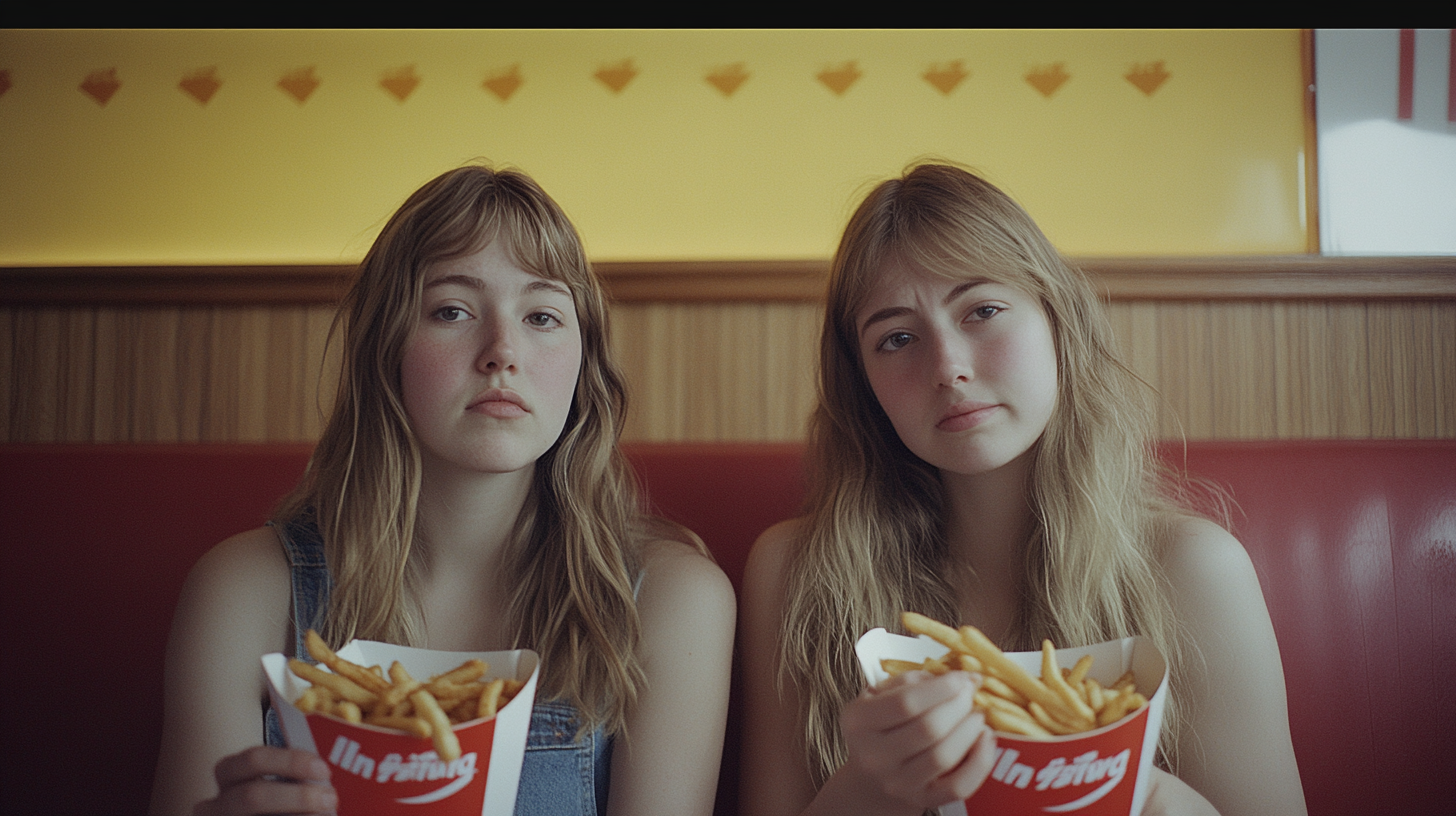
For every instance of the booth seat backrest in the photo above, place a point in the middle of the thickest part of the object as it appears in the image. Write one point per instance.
(1355, 543)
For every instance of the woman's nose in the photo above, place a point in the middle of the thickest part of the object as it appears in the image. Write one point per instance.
(954, 362)
(498, 349)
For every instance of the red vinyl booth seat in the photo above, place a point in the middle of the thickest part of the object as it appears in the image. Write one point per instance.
(1355, 543)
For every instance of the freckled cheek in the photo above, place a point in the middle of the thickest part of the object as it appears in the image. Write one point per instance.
(559, 372)
(425, 374)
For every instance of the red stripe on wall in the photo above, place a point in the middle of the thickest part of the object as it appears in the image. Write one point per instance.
(1404, 106)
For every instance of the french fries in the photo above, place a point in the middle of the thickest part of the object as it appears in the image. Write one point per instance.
(1063, 701)
(426, 709)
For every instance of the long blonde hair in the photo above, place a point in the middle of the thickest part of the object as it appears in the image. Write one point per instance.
(573, 563)
(873, 543)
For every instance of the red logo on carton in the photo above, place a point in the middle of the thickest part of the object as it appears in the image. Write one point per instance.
(1089, 776)
(386, 773)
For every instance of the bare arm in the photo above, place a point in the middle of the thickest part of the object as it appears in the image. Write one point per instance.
(1235, 747)
(233, 609)
(914, 743)
(667, 763)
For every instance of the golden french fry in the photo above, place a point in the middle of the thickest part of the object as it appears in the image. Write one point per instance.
(452, 693)
(402, 687)
(447, 745)
(470, 670)
(1126, 702)
(361, 676)
(1050, 723)
(998, 687)
(935, 666)
(318, 648)
(412, 725)
(934, 629)
(970, 664)
(343, 686)
(1073, 710)
(998, 664)
(1079, 671)
(308, 701)
(348, 712)
(1012, 724)
(1125, 681)
(895, 668)
(988, 701)
(489, 700)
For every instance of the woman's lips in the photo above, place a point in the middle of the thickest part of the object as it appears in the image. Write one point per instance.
(500, 404)
(965, 415)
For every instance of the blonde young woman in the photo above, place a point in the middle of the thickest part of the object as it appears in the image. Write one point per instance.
(981, 456)
(467, 494)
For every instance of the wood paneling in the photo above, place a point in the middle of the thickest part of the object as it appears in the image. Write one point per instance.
(1250, 368)
(165, 374)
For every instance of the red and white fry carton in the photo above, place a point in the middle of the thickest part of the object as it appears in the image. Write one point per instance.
(385, 772)
(1103, 772)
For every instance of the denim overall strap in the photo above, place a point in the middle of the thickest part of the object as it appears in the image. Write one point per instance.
(562, 774)
(311, 585)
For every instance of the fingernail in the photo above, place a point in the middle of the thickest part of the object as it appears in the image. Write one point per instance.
(318, 768)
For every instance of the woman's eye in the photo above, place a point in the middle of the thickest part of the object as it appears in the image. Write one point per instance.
(987, 311)
(542, 320)
(898, 340)
(451, 314)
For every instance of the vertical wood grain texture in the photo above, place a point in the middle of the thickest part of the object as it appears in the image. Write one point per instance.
(725, 371)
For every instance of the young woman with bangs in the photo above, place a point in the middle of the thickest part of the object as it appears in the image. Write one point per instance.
(467, 494)
(979, 454)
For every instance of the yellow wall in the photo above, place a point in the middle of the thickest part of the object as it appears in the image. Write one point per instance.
(670, 167)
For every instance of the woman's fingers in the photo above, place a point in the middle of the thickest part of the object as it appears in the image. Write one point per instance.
(270, 780)
(976, 764)
(907, 697)
(263, 760)
(919, 738)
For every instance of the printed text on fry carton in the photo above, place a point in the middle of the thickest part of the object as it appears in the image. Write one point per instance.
(1084, 769)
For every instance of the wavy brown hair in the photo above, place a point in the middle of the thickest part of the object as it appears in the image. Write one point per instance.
(574, 557)
(873, 543)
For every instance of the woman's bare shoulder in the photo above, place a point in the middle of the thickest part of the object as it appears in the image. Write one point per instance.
(1199, 555)
(236, 600)
(256, 555)
(669, 763)
(1235, 748)
(773, 550)
(234, 608)
(678, 568)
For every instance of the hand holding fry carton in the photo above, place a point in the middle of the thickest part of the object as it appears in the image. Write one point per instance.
(452, 744)
(1077, 741)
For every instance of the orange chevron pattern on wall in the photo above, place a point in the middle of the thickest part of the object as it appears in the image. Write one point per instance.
(142, 146)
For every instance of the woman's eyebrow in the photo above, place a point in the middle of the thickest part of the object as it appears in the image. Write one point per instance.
(458, 280)
(963, 288)
(882, 314)
(472, 282)
(896, 311)
(547, 285)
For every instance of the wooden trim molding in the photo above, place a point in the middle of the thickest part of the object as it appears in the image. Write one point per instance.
(173, 285)
(1276, 277)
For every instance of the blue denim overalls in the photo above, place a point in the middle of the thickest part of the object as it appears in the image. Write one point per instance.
(560, 775)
